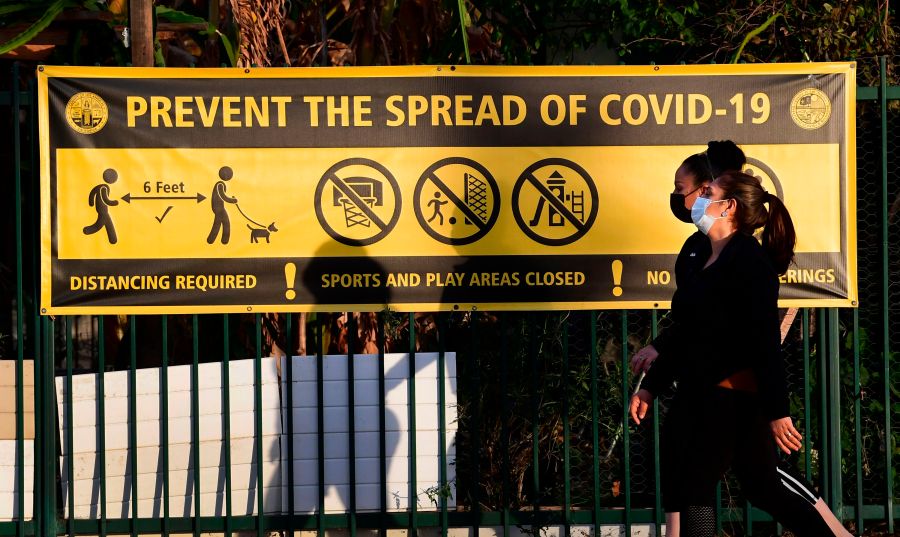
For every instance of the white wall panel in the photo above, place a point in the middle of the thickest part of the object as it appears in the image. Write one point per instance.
(367, 424)
(86, 461)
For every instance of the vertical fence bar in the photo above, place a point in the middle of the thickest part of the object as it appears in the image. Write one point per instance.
(411, 398)
(658, 514)
(34, 193)
(535, 421)
(595, 432)
(822, 356)
(226, 420)
(885, 305)
(20, 438)
(258, 427)
(351, 417)
(857, 417)
(626, 439)
(20, 305)
(382, 428)
(504, 425)
(101, 418)
(132, 420)
(195, 422)
(39, 503)
(48, 428)
(475, 424)
(718, 508)
(70, 436)
(320, 427)
(37, 500)
(567, 460)
(34, 229)
(834, 414)
(442, 328)
(287, 371)
(35, 290)
(807, 403)
(164, 421)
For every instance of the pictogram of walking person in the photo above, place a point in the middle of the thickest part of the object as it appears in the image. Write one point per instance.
(218, 199)
(99, 199)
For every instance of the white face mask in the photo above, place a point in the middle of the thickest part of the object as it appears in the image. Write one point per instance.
(703, 221)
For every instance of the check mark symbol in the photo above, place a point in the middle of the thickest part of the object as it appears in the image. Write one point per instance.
(160, 218)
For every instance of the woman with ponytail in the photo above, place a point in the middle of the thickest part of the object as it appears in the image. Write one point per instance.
(692, 176)
(731, 404)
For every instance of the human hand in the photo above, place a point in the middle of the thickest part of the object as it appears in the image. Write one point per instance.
(643, 359)
(640, 402)
(787, 438)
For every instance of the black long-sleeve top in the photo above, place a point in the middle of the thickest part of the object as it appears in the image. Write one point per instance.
(725, 320)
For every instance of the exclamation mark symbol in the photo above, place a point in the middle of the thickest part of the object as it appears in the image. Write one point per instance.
(290, 273)
(617, 277)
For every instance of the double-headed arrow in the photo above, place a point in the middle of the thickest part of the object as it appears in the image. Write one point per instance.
(128, 197)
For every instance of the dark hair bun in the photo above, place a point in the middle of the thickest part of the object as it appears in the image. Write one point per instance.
(724, 155)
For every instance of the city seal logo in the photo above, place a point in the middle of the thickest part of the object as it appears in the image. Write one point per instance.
(86, 112)
(810, 108)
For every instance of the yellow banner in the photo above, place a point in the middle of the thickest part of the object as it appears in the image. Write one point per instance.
(421, 188)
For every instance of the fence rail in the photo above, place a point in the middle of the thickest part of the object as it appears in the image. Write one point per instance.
(540, 437)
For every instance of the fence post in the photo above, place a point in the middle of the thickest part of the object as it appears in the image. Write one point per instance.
(140, 15)
(886, 310)
(48, 428)
(20, 304)
(836, 500)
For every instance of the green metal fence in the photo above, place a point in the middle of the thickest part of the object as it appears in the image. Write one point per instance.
(543, 434)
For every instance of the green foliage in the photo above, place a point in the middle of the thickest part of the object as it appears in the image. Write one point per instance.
(175, 15)
(543, 391)
(23, 38)
(549, 31)
(539, 32)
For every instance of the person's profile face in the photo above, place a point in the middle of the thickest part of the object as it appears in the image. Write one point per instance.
(686, 185)
(712, 191)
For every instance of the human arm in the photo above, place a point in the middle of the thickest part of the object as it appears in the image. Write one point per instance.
(763, 341)
(220, 188)
(661, 375)
(666, 338)
(659, 362)
(104, 196)
(787, 438)
(643, 359)
(640, 403)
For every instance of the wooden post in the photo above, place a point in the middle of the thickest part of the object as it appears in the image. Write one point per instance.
(141, 16)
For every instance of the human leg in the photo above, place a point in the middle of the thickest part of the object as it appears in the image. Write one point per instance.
(95, 227)
(226, 228)
(673, 524)
(669, 467)
(110, 229)
(703, 446)
(700, 521)
(786, 496)
(211, 238)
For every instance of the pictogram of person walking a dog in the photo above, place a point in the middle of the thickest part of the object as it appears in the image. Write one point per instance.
(221, 221)
(100, 199)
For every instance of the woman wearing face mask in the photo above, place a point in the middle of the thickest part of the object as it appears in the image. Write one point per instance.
(694, 174)
(731, 405)
(698, 170)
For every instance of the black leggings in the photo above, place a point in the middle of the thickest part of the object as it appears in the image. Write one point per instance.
(709, 431)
